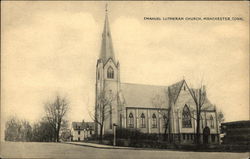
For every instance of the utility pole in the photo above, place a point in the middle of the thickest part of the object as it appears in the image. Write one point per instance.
(114, 141)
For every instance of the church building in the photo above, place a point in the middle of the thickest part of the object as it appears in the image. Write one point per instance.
(147, 107)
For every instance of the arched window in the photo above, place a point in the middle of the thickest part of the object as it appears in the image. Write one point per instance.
(165, 120)
(186, 118)
(98, 74)
(154, 121)
(143, 125)
(131, 121)
(110, 73)
(211, 121)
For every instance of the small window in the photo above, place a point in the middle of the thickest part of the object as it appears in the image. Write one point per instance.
(184, 88)
(131, 121)
(211, 121)
(78, 138)
(90, 132)
(110, 73)
(98, 74)
(187, 136)
(79, 132)
(154, 121)
(143, 125)
(183, 136)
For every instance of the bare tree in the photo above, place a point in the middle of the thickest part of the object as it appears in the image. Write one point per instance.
(55, 113)
(103, 111)
(159, 103)
(199, 96)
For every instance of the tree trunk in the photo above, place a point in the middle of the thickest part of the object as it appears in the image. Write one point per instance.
(198, 129)
(165, 132)
(101, 130)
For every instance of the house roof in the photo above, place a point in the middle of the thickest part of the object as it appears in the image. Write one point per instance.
(82, 125)
(139, 95)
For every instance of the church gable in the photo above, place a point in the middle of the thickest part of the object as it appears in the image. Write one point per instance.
(184, 97)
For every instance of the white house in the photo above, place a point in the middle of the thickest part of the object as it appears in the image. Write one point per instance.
(80, 131)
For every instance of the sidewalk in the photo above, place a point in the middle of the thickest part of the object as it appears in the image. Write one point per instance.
(98, 145)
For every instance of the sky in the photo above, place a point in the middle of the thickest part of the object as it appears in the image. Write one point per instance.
(52, 47)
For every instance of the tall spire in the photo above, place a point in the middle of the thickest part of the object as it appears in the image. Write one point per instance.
(107, 50)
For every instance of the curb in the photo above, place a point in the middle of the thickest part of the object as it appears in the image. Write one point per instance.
(124, 148)
(103, 147)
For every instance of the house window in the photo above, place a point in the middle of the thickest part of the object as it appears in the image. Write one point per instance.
(183, 136)
(187, 136)
(186, 118)
(110, 73)
(143, 125)
(211, 121)
(184, 88)
(79, 132)
(154, 121)
(90, 132)
(131, 121)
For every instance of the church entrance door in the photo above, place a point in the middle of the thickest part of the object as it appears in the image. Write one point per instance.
(206, 133)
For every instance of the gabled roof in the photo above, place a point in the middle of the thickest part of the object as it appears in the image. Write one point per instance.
(139, 95)
(82, 125)
(175, 90)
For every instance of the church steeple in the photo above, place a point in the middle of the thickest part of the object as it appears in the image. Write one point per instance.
(107, 50)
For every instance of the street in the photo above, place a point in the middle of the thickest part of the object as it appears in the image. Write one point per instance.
(63, 150)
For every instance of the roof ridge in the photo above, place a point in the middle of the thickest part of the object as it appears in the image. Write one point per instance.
(154, 84)
(145, 84)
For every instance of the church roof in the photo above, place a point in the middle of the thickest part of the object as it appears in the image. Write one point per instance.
(82, 125)
(139, 95)
(144, 96)
(107, 50)
(175, 89)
